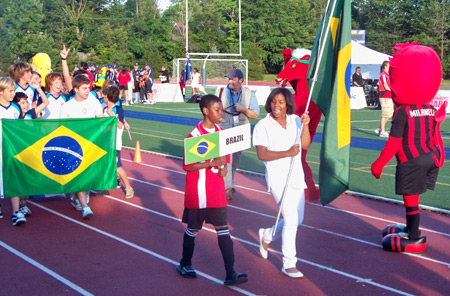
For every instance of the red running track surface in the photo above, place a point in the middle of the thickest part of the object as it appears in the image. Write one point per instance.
(131, 247)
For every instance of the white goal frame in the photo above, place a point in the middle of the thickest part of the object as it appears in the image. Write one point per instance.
(242, 64)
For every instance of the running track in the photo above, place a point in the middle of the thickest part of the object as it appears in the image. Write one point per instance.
(130, 247)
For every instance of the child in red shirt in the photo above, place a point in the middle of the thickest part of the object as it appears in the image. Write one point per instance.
(205, 198)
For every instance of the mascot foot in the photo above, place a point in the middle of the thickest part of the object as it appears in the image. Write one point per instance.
(399, 242)
(395, 228)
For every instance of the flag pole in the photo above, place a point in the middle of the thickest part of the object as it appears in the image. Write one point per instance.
(319, 60)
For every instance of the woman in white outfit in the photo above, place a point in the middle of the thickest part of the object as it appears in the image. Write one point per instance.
(276, 140)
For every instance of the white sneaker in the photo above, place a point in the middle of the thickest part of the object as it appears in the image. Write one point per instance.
(87, 212)
(384, 134)
(129, 193)
(153, 102)
(146, 102)
(75, 203)
(18, 218)
(131, 103)
(377, 131)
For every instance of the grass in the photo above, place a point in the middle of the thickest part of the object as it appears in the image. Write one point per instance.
(168, 138)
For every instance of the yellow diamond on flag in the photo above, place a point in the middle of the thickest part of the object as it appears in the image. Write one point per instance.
(202, 148)
(61, 156)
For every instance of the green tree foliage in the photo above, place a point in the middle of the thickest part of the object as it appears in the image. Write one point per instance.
(129, 31)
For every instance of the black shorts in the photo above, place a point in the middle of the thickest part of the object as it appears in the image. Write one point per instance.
(136, 87)
(119, 158)
(195, 217)
(148, 88)
(123, 87)
(417, 175)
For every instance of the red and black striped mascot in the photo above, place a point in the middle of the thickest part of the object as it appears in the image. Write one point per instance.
(415, 139)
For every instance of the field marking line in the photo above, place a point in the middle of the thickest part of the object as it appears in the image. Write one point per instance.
(46, 270)
(312, 227)
(137, 247)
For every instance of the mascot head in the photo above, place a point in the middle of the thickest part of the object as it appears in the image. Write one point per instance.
(296, 66)
(415, 72)
(42, 64)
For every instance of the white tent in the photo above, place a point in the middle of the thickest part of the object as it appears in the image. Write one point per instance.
(368, 59)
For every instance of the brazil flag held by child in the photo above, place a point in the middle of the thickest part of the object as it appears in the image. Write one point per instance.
(205, 198)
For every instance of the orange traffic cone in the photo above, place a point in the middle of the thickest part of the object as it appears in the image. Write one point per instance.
(137, 153)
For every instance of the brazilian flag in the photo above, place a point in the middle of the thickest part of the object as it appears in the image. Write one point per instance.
(47, 156)
(329, 83)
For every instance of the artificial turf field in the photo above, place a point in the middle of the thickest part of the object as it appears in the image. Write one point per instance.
(162, 128)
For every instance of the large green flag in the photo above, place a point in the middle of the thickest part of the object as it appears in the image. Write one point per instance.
(47, 156)
(329, 81)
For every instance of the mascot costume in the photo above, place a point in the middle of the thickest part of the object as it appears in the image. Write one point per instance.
(101, 77)
(294, 72)
(42, 64)
(415, 139)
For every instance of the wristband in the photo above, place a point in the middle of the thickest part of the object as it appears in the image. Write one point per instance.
(63, 59)
(210, 164)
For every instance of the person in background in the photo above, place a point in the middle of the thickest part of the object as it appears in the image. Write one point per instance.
(240, 104)
(124, 77)
(165, 75)
(357, 78)
(387, 105)
(136, 89)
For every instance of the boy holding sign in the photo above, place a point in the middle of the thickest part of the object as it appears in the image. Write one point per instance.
(205, 198)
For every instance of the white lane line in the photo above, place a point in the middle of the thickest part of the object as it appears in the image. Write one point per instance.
(345, 274)
(216, 280)
(46, 270)
(308, 226)
(314, 204)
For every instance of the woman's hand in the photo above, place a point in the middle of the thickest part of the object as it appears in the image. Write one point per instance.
(305, 118)
(294, 150)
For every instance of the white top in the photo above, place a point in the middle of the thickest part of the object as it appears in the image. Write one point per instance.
(54, 106)
(271, 134)
(195, 80)
(10, 112)
(87, 108)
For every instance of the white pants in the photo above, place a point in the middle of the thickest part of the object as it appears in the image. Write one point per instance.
(293, 213)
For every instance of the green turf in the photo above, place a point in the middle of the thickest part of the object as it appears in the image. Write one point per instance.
(168, 138)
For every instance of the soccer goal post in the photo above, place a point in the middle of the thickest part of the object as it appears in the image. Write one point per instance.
(215, 69)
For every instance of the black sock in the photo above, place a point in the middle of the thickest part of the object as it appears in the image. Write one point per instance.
(413, 222)
(226, 247)
(188, 250)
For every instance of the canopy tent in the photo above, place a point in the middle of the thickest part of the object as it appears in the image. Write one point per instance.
(368, 59)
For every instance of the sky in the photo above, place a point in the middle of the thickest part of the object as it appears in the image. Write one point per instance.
(163, 4)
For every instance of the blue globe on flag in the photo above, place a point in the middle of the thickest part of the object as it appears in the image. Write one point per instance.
(62, 155)
(202, 148)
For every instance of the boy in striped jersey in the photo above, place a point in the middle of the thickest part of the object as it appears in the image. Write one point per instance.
(205, 198)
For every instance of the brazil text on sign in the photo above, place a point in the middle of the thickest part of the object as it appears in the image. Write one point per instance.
(216, 144)
(235, 139)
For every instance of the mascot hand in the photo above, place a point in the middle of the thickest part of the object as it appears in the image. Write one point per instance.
(392, 146)
(377, 168)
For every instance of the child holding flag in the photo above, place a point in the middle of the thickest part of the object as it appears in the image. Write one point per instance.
(111, 95)
(82, 106)
(205, 198)
(276, 140)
